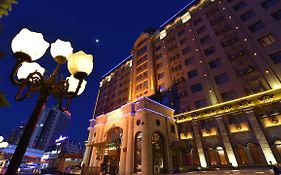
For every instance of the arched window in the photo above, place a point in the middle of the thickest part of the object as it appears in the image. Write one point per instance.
(255, 152)
(278, 146)
(222, 156)
(213, 157)
(195, 157)
(244, 159)
(158, 153)
(138, 139)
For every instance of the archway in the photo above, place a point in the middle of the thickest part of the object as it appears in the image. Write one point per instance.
(137, 155)
(158, 155)
(222, 156)
(244, 159)
(255, 152)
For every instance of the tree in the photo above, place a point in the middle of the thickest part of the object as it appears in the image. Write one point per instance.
(6, 6)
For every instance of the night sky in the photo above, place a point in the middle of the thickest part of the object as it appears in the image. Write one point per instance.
(116, 24)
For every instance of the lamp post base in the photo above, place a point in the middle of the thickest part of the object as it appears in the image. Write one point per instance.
(26, 136)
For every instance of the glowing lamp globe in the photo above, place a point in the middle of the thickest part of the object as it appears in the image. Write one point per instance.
(28, 68)
(29, 43)
(80, 64)
(60, 50)
(73, 84)
(1, 138)
(4, 144)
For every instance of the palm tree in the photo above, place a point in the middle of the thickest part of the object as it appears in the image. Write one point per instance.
(6, 6)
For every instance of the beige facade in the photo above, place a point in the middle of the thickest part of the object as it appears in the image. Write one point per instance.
(217, 63)
(135, 138)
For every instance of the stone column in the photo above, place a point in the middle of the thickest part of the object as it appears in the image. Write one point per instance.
(122, 163)
(146, 147)
(261, 138)
(226, 142)
(199, 145)
(130, 146)
(86, 158)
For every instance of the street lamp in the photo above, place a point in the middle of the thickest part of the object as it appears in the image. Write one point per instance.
(28, 47)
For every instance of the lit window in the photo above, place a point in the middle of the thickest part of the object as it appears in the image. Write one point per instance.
(267, 40)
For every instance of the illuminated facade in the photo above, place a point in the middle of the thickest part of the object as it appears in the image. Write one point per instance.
(217, 63)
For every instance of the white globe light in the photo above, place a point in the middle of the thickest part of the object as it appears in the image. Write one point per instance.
(1, 138)
(4, 144)
(28, 68)
(61, 48)
(80, 62)
(30, 43)
(73, 84)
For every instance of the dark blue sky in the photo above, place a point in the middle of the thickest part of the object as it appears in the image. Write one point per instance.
(115, 23)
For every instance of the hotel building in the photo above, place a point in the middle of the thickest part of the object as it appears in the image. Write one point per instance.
(202, 90)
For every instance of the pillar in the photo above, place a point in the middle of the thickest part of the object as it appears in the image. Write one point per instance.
(261, 138)
(146, 150)
(226, 141)
(199, 145)
(130, 146)
(86, 158)
(122, 163)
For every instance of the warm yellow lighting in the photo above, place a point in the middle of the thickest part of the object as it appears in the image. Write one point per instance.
(30, 43)
(61, 48)
(186, 17)
(271, 121)
(209, 133)
(163, 34)
(80, 62)
(241, 127)
(73, 84)
(186, 136)
(28, 68)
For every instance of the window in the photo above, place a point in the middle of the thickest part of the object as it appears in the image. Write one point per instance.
(269, 3)
(158, 155)
(186, 50)
(228, 95)
(159, 65)
(197, 21)
(222, 78)
(276, 15)
(141, 51)
(239, 6)
(200, 103)
(188, 61)
(180, 33)
(247, 15)
(205, 39)
(196, 87)
(192, 74)
(160, 75)
(209, 51)
(267, 40)
(256, 26)
(173, 128)
(158, 48)
(137, 160)
(215, 63)
(276, 57)
(157, 57)
(183, 41)
(201, 29)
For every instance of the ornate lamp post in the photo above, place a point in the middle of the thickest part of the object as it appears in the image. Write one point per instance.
(30, 77)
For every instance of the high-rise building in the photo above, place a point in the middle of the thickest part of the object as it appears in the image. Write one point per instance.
(16, 134)
(217, 63)
(51, 125)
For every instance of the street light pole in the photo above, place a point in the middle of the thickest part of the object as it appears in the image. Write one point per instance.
(31, 79)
